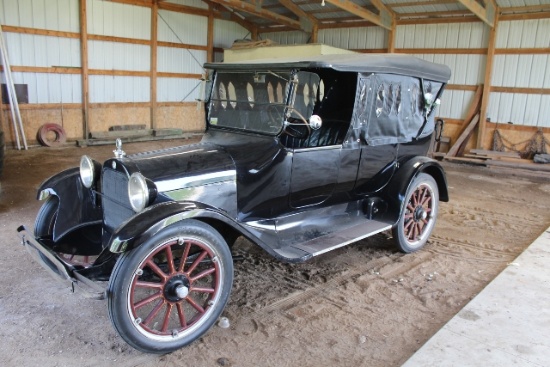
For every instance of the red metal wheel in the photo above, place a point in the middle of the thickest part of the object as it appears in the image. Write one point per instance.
(419, 214)
(171, 289)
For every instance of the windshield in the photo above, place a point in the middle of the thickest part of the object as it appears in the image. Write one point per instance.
(253, 101)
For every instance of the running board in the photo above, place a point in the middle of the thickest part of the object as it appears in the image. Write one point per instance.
(335, 240)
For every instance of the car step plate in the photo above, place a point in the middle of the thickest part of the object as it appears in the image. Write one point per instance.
(342, 238)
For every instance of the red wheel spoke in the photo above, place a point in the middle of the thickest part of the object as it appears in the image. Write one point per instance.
(202, 290)
(170, 260)
(203, 274)
(422, 195)
(426, 200)
(196, 262)
(167, 317)
(184, 257)
(181, 315)
(154, 312)
(194, 304)
(408, 216)
(408, 224)
(410, 207)
(154, 267)
(414, 198)
(150, 285)
(147, 300)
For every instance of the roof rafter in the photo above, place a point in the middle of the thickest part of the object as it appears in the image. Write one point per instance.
(486, 14)
(239, 5)
(309, 20)
(384, 19)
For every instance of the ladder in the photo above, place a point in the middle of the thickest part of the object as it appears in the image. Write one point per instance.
(12, 97)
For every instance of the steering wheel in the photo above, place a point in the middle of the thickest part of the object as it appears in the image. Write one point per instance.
(295, 127)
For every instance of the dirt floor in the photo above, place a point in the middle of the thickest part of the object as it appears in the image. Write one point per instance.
(363, 305)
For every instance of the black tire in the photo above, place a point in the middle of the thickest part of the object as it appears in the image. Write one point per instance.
(158, 305)
(2, 151)
(419, 214)
(45, 219)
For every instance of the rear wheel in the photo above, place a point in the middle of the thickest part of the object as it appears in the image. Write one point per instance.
(419, 214)
(170, 290)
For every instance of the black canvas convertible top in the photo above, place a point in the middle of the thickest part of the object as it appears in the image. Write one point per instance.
(398, 64)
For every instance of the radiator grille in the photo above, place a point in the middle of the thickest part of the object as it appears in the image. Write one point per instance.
(116, 205)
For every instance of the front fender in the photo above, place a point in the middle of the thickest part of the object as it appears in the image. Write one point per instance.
(77, 204)
(396, 189)
(146, 224)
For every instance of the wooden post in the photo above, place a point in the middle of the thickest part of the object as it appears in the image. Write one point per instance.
(391, 38)
(254, 34)
(210, 35)
(154, 52)
(314, 33)
(487, 84)
(84, 66)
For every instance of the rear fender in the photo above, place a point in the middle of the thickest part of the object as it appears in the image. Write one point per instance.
(146, 224)
(396, 190)
(77, 204)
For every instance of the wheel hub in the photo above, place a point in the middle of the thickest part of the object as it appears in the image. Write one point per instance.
(420, 214)
(176, 288)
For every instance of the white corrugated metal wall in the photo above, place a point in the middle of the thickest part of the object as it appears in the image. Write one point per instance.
(521, 71)
(45, 51)
(129, 21)
(468, 69)
(107, 18)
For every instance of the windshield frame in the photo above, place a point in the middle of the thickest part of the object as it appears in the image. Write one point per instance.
(278, 98)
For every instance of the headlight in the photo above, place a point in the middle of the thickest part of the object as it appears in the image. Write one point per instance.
(87, 171)
(138, 192)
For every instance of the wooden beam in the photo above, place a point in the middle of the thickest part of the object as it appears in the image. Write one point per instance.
(45, 70)
(39, 32)
(183, 9)
(522, 51)
(84, 65)
(486, 14)
(462, 138)
(541, 91)
(363, 13)
(259, 12)
(154, 53)
(210, 35)
(443, 51)
(433, 14)
(462, 87)
(314, 34)
(354, 24)
(421, 3)
(181, 45)
(391, 39)
(527, 16)
(308, 21)
(487, 83)
(465, 19)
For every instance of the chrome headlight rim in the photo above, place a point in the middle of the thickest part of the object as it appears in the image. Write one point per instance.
(87, 171)
(138, 192)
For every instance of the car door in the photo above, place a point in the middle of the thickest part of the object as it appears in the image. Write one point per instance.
(314, 175)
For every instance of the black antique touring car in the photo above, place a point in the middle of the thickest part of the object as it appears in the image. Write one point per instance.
(299, 156)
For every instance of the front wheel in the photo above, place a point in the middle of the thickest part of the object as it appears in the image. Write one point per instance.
(169, 291)
(418, 217)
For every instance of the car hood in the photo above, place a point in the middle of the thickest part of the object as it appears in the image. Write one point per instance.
(185, 166)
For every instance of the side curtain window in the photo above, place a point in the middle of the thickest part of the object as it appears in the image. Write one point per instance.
(391, 109)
